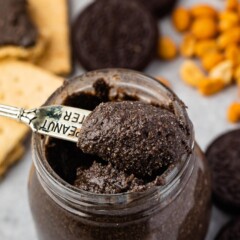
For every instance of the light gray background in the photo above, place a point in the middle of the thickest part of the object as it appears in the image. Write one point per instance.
(207, 114)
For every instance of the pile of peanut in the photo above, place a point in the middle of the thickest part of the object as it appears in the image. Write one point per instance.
(213, 38)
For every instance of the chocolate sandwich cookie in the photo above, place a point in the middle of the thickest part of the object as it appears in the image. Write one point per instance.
(16, 26)
(231, 231)
(159, 8)
(224, 159)
(113, 33)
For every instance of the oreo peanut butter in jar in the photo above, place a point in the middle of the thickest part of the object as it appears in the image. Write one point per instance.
(136, 172)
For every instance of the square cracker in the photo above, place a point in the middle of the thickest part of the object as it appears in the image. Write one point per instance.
(22, 85)
(12, 157)
(51, 16)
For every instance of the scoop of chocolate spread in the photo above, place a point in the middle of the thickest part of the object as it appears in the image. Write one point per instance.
(16, 27)
(135, 137)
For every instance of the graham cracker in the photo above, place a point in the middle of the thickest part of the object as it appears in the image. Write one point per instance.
(22, 85)
(52, 17)
(12, 157)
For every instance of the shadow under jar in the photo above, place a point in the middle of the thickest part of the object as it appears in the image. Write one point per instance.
(180, 209)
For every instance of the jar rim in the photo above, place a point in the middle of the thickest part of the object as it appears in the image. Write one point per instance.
(68, 192)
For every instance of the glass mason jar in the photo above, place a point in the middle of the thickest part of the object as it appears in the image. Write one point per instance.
(180, 209)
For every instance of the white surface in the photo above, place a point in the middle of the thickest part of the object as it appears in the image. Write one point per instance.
(207, 114)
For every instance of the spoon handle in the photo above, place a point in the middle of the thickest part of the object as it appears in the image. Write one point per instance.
(56, 121)
(11, 112)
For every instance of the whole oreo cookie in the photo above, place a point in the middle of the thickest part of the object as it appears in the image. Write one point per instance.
(113, 33)
(224, 159)
(159, 8)
(231, 231)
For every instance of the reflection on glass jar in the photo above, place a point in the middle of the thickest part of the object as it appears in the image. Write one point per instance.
(180, 209)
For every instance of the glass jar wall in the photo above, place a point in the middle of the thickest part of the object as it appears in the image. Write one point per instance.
(180, 209)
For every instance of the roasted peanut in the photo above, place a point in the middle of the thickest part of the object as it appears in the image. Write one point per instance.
(232, 53)
(233, 113)
(203, 10)
(204, 28)
(232, 5)
(167, 49)
(238, 10)
(164, 81)
(236, 74)
(214, 38)
(211, 59)
(187, 46)
(228, 20)
(209, 86)
(228, 37)
(181, 19)
(238, 88)
(191, 74)
(204, 46)
(224, 71)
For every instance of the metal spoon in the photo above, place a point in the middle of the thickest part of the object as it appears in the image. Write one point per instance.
(55, 121)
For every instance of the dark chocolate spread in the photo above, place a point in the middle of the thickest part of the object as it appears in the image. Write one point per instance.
(135, 137)
(157, 131)
(16, 27)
